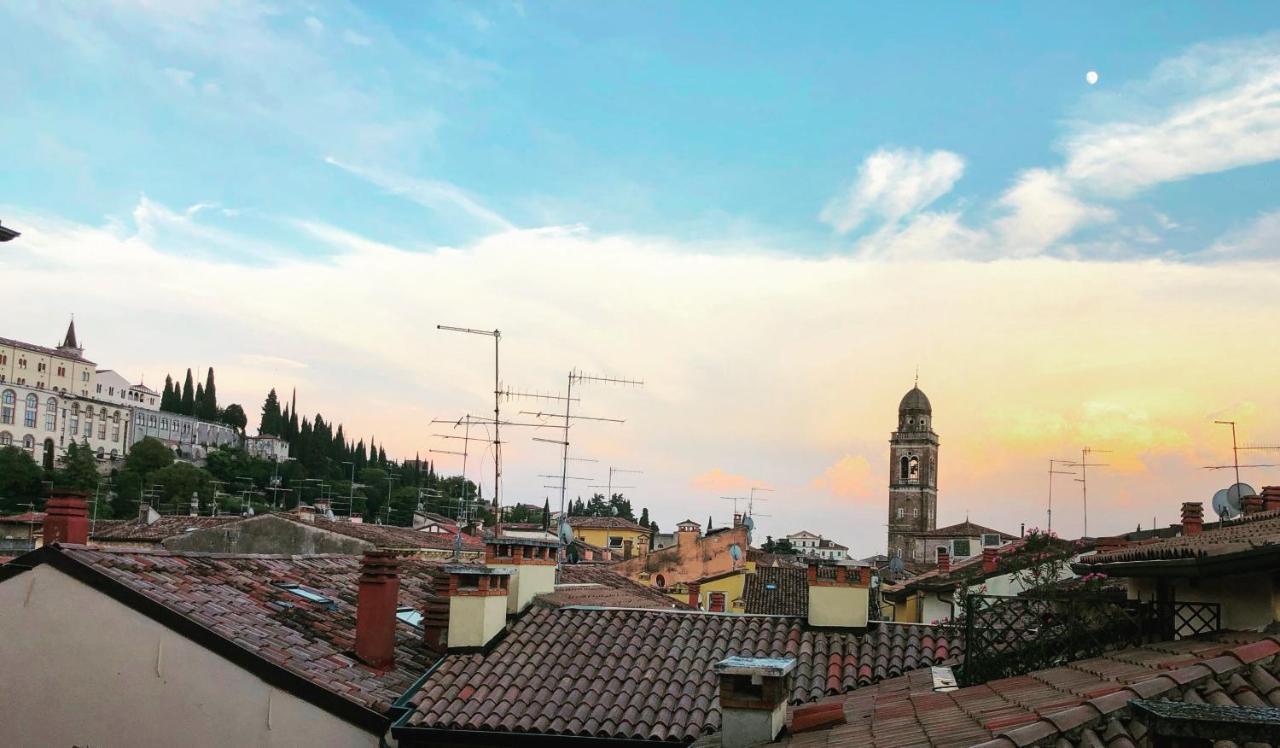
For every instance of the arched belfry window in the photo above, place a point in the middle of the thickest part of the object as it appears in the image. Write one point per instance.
(905, 468)
(913, 469)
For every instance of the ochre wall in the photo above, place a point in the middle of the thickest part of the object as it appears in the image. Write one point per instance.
(94, 672)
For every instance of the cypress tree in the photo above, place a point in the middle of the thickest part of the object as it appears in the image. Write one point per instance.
(199, 409)
(382, 456)
(270, 421)
(168, 397)
(188, 406)
(209, 405)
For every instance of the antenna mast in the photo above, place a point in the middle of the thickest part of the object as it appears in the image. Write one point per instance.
(1052, 473)
(496, 334)
(1083, 480)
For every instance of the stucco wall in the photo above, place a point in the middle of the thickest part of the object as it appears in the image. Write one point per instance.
(838, 606)
(475, 619)
(1249, 601)
(693, 558)
(600, 537)
(94, 672)
(267, 534)
(529, 581)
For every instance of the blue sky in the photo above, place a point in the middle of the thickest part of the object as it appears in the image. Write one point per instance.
(695, 120)
(773, 216)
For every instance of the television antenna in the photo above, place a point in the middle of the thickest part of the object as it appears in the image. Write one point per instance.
(1235, 453)
(1083, 480)
(1052, 473)
(609, 485)
(496, 334)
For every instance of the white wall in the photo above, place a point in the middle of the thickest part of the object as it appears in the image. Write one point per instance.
(1250, 602)
(82, 669)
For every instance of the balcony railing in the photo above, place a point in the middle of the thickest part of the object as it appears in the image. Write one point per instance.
(1006, 636)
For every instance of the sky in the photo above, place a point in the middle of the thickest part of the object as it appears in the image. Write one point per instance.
(773, 217)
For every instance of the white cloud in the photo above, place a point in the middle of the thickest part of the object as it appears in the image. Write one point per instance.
(1214, 108)
(1042, 210)
(1259, 240)
(356, 39)
(437, 195)
(892, 184)
(180, 78)
(314, 25)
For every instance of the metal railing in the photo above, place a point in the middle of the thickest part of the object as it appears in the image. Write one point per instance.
(1006, 636)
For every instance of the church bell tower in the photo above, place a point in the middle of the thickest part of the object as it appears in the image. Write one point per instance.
(913, 476)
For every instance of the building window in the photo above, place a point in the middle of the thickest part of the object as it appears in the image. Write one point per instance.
(913, 470)
(8, 401)
(115, 433)
(29, 444)
(29, 414)
(4, 359)
(88, 425)
(41, 366)
(904, 467)
(99, 389)
(84, 376)
(51, 415)
(901, 512)
(6, 438)
(102, 430)
(715, 602)
(615, 541)
(990, 538)
(960, 548)
(75, 424)
(22, 363)
(114, 454)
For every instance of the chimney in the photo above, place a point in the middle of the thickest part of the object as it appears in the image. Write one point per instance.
(66, 518)
(1192, 517)
(695, 594)
(477, 605)
(376, 608)
(944, 561)
(753, 699)
(688, 532)
(1270, 498)
(990, 560)
(1251, 504)
(306, 513)
(532, 564)
(195, 504)
(147, 515)
(839, 595)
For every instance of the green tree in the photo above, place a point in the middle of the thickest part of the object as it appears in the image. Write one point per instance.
(79, 469)
(235, 417)
(170, 400)
(546, 514)
(147, 456)
(188, 406)
(644, 517)
(19, 480)
(199, 407)
(178, 481)
(128, 492)
(209, 403)
(270, 421)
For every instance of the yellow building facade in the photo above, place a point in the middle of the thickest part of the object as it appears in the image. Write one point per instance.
(624, 538)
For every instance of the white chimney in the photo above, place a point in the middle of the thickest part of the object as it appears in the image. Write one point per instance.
(532, 564)
(753, 699)
(477, 605)
(147, 515)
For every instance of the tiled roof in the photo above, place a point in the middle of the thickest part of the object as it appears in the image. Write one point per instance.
(831, 545)
(392, 537)
(165, 527)
(236, 598)
(777, 591)
(604, 588)
(606, 523)
(44, 350)
(761, 558)
(1244, 534)
(645, 675)
(32, 517)
(1078, 704)
(964, 529)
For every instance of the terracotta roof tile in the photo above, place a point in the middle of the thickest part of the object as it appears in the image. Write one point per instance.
(779, 591)
(1078, 704)
(237, 598)
(165, 527)
(592, 584)
(606, 523)
(575, 671)
(1243, 534)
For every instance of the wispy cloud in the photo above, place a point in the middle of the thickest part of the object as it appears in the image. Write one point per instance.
(892, 184)
(440, 196)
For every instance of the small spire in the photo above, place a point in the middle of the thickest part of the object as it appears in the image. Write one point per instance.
(917, 375)
(69, 341)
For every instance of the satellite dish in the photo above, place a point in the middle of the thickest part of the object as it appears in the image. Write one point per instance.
(1240, 490)
(735, 552)
(895, 565)
(1222, 507)
(566, 532)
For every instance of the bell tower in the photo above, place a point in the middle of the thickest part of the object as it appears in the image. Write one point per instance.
(913, 476)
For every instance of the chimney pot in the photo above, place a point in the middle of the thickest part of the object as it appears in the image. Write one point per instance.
(66, 518)
(376, 607)
(944, 561)
(753, 699)
(990, 560)
(1270, 498)
(1192, 517)
(1251, 504)
(695, 594)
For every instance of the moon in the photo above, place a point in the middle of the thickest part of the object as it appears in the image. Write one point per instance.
(1091, 77)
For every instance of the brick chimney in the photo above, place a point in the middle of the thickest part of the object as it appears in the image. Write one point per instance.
(477, 605)
(376, 609)
(990, 560)
(839, 594)
(695, 594)
(753, 699)
(1270, 498)
(532, 564)
(944, 561)
(688, 532)
(66, 518)
(1192, 517)
(1251, 504)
